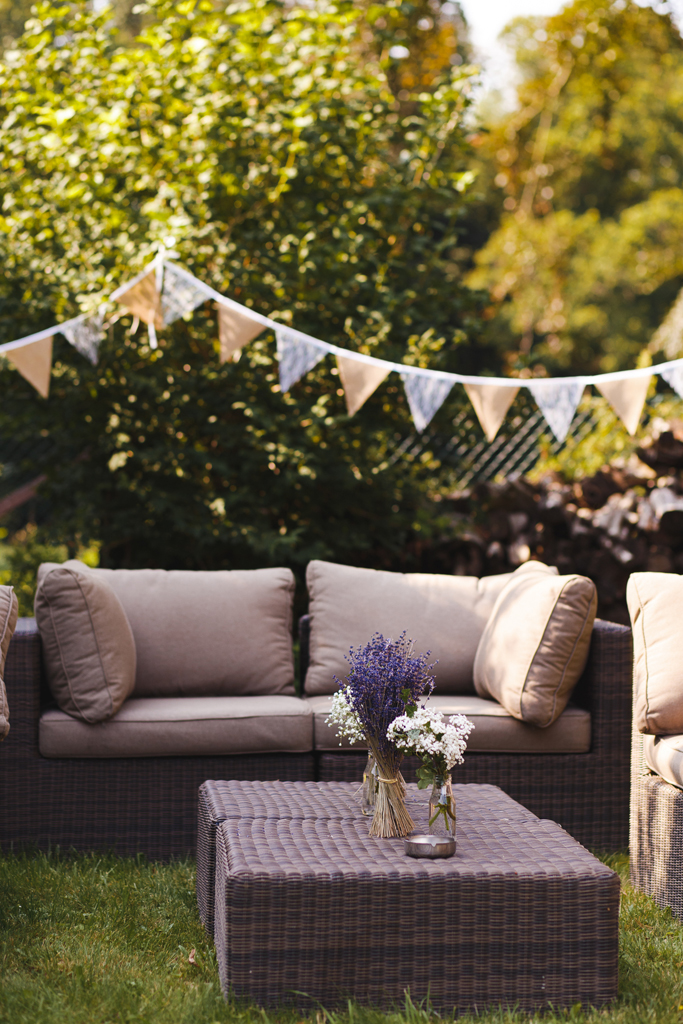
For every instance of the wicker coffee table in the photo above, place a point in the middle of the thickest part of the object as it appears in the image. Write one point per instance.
(309, 909)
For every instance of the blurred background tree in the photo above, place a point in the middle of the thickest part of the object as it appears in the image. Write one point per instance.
(292, 178)
(580, 188)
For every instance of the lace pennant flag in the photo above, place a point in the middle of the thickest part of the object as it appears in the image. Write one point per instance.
(425, 396)
(34, 363)
(297, 357)
(85, 335)
(627, 398)
(235, 330)
(359, 380)
(674, 378)
(557, 400)
(491, 404)
(180, 295)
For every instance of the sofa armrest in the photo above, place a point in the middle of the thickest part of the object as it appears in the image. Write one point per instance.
(604, 689)
(26, 691)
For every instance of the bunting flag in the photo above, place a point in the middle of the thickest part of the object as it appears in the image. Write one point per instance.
(179, 295)
(557, 400)
(141, 298)
(34, 363)
(673, 376)
(491, 403)
(627, 398)
(85, 334)
(235, 330)
(359, 380)
(297, 356)
(164, 291)
(426, 394)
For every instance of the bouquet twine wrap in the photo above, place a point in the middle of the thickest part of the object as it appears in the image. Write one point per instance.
(391, 819)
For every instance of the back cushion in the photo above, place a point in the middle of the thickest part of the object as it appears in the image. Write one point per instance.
(655, 604)
(208, 633)
(442, 614)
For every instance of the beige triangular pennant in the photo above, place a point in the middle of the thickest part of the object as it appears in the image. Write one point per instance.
(34, 363)
(360, 380)
(491, 403)
(144, 301)
(235, 330)
(627, 398)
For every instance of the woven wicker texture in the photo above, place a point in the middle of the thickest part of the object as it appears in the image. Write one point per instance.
(149, 805)
(588, 794)
(129, 805)
(656, 845)
(220, 800)
(311, 908)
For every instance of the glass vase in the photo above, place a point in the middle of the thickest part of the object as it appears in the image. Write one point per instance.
(442, 806)
(369, 789)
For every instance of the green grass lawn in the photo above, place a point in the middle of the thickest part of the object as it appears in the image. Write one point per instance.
(103, 939)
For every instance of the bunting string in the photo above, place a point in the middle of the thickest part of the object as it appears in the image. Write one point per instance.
(164, 291)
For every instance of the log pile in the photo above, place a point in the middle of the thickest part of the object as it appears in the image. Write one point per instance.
(627, 518)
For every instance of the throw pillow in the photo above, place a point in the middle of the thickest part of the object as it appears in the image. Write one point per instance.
(535, 644)
(8, 622)
(655, 604)
(88, 645)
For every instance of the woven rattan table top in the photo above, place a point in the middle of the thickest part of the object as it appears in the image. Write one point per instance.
(316, 828)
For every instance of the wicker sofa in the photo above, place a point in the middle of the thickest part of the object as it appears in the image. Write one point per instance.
(146, 800)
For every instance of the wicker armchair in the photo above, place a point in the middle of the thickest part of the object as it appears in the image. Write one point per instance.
(585, 793)
(656, 833)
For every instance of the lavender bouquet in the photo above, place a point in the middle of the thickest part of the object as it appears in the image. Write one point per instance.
(385, 677)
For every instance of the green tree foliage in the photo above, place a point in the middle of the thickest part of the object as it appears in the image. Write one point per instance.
(585, 258)
(293, 180)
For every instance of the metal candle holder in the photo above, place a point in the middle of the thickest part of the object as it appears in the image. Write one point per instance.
(429, 846)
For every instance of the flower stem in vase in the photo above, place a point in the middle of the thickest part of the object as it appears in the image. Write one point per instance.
(369, 790)
(391, 819)
(442, 806)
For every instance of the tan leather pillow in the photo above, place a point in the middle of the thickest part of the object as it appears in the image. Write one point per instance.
(535, 644)
(442, 614)
(9, 611)
(225, 632)
(88, 646)
(655, 604)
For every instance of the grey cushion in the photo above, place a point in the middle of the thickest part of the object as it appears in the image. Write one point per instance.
(655, 604)
(535, 645)
(664, 755)
(442, 614)
(227, 632)
(495, 731)
(184, 726)
(88, 646)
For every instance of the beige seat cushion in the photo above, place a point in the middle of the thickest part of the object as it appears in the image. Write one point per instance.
(442, 614)
(495, 731)
(9, 611)
(184, 727)
(88, 646)
(222, 633)
(535, 644)
(664, 755)
(655, 604)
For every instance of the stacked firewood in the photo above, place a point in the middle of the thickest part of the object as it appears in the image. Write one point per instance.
(627, 518)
